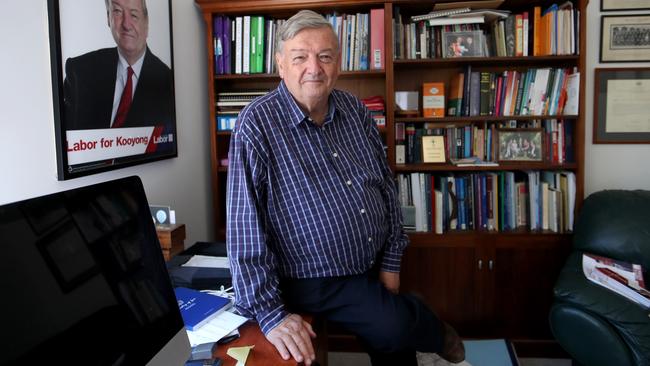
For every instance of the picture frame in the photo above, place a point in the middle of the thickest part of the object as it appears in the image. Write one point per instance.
(621, 107)
(625, 38)
(97, 126)
(462, 44)
(619, 5)
(520, 144)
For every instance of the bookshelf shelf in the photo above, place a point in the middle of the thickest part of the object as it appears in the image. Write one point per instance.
(276, 77)
(469, 277)
(489, 61)
(501, 167)
(446, 120)
(455, 238)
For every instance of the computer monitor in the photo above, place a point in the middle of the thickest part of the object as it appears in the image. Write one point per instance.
(84, 282)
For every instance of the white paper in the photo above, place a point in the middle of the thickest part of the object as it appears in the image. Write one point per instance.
(207, 261)
(215, 329)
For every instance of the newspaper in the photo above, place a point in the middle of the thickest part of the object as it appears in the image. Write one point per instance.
(626, 279)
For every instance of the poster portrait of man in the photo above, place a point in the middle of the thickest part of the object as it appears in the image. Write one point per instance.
(114, 83)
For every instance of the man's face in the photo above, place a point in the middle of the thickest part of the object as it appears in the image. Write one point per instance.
(309, 64)
(129, 26)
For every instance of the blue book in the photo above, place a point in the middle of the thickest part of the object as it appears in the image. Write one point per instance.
(490, 352)
(198, 308)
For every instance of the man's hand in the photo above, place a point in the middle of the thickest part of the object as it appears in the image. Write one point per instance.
(292, 338)
(390, 280)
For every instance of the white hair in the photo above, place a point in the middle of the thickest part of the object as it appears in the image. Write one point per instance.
(304, 19)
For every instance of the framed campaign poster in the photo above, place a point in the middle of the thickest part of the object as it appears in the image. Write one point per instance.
(113, 84)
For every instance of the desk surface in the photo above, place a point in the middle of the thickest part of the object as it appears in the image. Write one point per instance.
(264, 353)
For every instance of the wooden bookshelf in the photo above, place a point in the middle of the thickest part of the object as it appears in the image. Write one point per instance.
(487, 284)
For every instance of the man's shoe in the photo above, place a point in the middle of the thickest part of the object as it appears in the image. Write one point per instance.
(453, 349)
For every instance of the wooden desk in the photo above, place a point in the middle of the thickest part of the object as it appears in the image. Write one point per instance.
(264, 353)
(171, 238)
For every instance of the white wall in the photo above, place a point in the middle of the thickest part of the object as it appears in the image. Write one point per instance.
(27, 148)
(609, 166)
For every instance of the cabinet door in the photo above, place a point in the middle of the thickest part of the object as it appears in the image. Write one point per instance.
(445, 277)
(525, 270)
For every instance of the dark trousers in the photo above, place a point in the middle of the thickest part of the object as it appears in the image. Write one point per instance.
(390, 327)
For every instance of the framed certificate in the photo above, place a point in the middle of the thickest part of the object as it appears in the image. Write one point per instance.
(621, 108)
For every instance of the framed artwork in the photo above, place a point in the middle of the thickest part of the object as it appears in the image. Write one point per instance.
(615, 5)
(462, 44)
(520, 144)
(621, 108)
(625, 38)
(113, 84)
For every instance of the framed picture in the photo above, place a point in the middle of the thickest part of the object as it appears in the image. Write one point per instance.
(520, 144)
(625, 38)
(113, 84)
(613, 5)
(462, 44)
(621, 108)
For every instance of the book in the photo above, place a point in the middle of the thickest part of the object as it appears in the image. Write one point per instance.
(451, 21)
(433, 99)
(377, 39)
(198, 308)
(439, 14)
(472, 161)
(624, 278)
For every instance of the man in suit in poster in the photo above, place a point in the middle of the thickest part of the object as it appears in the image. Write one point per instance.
(124, 86)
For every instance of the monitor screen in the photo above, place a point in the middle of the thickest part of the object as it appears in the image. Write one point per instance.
(84, 282)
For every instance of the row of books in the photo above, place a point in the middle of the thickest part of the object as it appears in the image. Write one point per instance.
(532, 92)
(361, 38)
(229, 104)
(244, 44)
(483, 142)
(247, 44)
(377, 108)
(485, 33)
(490, 201)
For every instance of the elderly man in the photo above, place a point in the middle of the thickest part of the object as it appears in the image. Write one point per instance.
(123, 86)
(313, 220)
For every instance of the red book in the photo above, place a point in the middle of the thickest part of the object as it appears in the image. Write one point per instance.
(377, 53)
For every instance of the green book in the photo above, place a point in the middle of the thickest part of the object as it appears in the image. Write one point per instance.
(257, 44)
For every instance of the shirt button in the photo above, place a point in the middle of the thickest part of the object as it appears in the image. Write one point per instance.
(349, 182)
(369, 239)
(335, 155)
(363, 210)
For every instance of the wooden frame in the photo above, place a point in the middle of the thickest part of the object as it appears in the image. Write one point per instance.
(83, 49)
(625, 38)
(520, 144)
(619, 5)
(621, 106)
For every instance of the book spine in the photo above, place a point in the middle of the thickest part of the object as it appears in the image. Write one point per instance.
(377, 39)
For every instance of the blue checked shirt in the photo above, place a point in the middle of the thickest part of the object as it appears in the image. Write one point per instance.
(306, 201)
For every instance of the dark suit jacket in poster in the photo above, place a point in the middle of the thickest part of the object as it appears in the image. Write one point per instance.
(89, 88)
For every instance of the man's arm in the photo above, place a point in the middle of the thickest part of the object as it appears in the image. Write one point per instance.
(252, 264)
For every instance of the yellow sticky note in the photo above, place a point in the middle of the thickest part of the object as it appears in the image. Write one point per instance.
(240, 354)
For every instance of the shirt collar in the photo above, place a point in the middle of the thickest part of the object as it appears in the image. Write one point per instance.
(296, 114)
(137, 66)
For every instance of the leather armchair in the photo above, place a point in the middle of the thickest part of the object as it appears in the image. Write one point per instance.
(593, 324)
